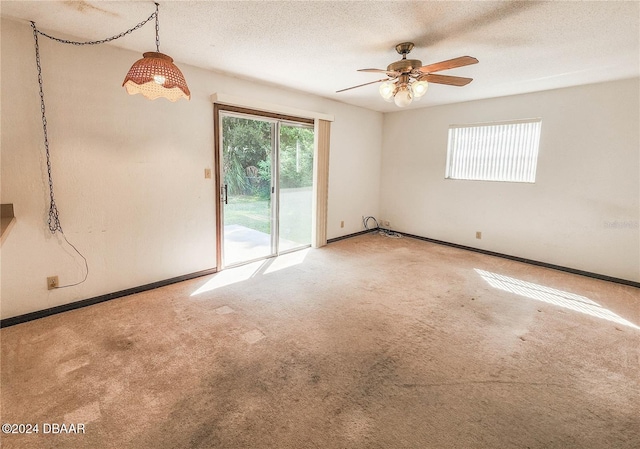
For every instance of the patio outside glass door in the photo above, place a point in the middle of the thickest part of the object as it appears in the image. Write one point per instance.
(266, 192)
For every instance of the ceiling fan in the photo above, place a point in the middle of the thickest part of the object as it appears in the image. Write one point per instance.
(408, 79)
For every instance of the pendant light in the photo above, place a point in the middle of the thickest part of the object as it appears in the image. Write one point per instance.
(155, 75)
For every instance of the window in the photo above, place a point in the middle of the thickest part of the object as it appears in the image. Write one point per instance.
(506, 151)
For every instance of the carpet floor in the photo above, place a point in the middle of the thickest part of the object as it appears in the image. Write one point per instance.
(369, 342)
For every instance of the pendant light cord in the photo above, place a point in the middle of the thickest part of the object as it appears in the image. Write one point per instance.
(54, 219)
(157, 30)
(108, 39)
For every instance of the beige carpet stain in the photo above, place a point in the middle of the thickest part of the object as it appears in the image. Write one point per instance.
(86, 414)
(253, 336)
(224, 310)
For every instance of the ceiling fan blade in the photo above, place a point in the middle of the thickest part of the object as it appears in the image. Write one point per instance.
(394, 74)
(450, 64)
(360, 85)
(446, 79)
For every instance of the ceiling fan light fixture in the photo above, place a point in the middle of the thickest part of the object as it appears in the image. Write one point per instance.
(403, 97)
(419, 88)
(387, 89)
(407, 78)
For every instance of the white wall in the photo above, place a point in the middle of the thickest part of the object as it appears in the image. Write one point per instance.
(583, 210)
(129, 173)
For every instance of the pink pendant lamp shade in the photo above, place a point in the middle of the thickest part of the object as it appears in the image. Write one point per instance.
(154, 76)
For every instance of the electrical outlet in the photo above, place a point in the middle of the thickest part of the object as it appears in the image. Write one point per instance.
(478, 234)
(342, 224)
(52, 282)
(207, 173)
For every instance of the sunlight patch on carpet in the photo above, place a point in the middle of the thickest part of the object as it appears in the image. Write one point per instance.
(553, 296)
(242, 273)
(286, 260)
(230, 276)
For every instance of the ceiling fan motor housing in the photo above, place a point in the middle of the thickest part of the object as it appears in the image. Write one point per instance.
(404, 65)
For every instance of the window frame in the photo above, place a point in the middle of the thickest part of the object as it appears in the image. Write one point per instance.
(498, 165)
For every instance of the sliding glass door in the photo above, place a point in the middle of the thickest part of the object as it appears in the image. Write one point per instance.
(295, 182)
(266, 187)
(247, 151)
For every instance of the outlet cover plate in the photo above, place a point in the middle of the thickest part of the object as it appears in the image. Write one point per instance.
(52, 282)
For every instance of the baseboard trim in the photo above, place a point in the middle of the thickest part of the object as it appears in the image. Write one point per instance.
(589, 274)
(7, 322)
(102, 298)
(348, 236)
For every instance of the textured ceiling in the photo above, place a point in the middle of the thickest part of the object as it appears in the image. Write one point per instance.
(317, 47)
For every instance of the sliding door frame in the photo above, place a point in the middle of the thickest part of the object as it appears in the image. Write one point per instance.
(217, 109)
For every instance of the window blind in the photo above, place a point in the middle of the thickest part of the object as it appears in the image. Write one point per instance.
(506, 151)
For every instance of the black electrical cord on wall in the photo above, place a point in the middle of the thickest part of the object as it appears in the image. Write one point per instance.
(382, 231)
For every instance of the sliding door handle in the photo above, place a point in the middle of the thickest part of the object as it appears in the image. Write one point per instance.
(226, 194)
